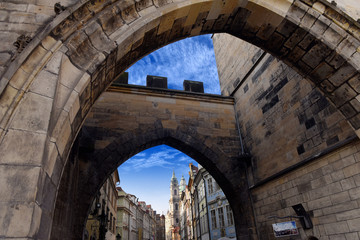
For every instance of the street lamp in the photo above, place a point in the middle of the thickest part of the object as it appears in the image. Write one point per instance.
(118, 237)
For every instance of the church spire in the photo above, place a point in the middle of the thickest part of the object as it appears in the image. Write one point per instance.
(173, 178)
(182, 184)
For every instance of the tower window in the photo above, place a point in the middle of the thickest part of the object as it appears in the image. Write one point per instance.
(210, 186)
(175, 192)
(176, 206)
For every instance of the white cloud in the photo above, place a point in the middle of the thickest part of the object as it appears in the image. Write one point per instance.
(188, 59)
(161, 158)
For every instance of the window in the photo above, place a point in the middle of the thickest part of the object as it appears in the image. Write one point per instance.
(213, 219)
(221, 217)
(177, 220)
(204, 228)
(229, 214)
(175, 192)
(176, 206)
(210, 186)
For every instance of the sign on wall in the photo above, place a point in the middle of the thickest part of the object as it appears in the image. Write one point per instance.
(285, 229)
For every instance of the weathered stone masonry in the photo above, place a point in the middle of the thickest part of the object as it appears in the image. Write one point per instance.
(303, 152)
(48, 89)
(128, 119)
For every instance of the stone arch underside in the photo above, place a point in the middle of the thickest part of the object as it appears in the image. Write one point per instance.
(49, 89)
(204, 129)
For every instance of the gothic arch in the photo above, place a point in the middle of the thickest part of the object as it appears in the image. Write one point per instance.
(47, 92)
(95, 166)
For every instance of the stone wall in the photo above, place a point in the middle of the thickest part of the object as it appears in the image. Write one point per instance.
(23, 17)
(328, 188)
(303, 151)
(128, 119)
(284, 119)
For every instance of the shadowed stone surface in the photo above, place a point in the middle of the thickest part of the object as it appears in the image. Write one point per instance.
(91, 43)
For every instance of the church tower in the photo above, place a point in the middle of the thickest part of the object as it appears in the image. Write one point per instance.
(182, 184)
(174, 200)
(174, 212)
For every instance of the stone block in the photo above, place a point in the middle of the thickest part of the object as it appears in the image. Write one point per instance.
(193, 86)
(344, 162)
(320, 26)
(36, 58)
(128, 11)
(111, 20)
(354, 193)
(355, 60)
(354, 225)
(19, 183)
(343, 94)
(347, 110)
(142, 4)
(296, 54)
(354, 82)
(83, 84)
(309, 19)
(319, 203)
(297, 11)
(346, 47)
(352, 236)
(83, 53)
(336, 228)
(316, 55)
(342, 75)
(352, 170)
(16, 219)
(295, 38)
(16, 6)
(156, 82)
(4, 57)
(19, 79)
(347, 215)
(341, 197)
(321, 182)
(44, 84)
(33, 113)
(355, 121)
(22, 147)
(7, 98)
(69, 74)
(333, 35)
(122, 79)
(345, 206)
(326, 219)
(318, 6)
(72, 106)
(22, 17)
(99, 39)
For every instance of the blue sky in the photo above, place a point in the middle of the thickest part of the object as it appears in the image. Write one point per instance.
(188, 59)
(147, 175)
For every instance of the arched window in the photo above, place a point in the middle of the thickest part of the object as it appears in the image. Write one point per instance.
(176, 206)
(177, 220)
(175, 192)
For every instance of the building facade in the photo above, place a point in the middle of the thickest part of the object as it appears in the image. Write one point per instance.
(137, 220)
(101, 222)
(204, 210)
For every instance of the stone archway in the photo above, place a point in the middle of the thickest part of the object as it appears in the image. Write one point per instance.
(128, 120)
(49, 89)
